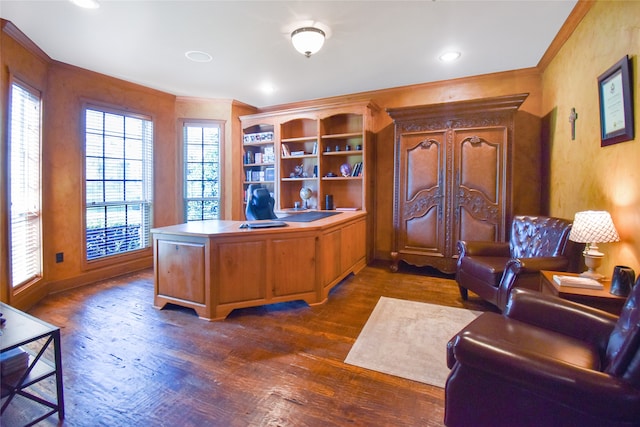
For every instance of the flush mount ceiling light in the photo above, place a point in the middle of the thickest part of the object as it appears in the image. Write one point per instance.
(198, 56)
(307, 40)
(86, 4)
(449, 56)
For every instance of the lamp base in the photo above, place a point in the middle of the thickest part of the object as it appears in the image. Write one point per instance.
(592, 260)
(592, 275)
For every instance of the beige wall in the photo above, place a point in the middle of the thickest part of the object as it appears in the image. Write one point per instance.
(584, 175)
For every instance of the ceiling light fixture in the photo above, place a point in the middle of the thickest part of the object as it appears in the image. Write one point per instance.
(86, 4)
(449, 56)
(198, 56)
(307, 40)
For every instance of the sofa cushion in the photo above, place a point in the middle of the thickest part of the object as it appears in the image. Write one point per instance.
(510, 333)
(488, 269)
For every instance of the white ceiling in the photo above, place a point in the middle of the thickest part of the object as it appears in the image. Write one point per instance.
(371, 44)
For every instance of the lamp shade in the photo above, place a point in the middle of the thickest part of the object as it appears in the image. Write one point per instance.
(307, 40)
(593, 227)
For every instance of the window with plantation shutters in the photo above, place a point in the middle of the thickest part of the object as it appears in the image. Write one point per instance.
(202, 170)
(24, 185)
(118, 182)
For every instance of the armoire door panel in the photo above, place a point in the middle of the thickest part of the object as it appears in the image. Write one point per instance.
(480, 182)
(479, 163)
(424, 232)
(424, 157)
(472, 228)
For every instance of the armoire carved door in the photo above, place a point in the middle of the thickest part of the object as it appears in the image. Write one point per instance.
(453, 178)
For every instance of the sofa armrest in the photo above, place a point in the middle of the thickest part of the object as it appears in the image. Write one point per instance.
(483, 248)
(559, 315)
(552, 263)
(592, 391)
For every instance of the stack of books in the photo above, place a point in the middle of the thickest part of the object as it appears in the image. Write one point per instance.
(13, 361)
(577, 282)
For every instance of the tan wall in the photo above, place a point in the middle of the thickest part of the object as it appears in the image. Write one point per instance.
(18, 62)
(229, 112)
(584, 175)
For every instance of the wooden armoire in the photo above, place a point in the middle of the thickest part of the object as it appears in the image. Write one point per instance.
(461, 173)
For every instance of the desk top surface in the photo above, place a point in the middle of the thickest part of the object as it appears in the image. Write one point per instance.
(226, 227)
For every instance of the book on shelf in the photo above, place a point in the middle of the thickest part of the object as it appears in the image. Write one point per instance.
(258, 137)
(357, 169)
(269, 174)
(577, 282)
(13, 360)
(285, 151)
(297, 153)
(268, 156)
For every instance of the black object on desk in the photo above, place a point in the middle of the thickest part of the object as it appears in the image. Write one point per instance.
(265, 224)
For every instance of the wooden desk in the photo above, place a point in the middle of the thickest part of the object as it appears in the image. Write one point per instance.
(601, 299)
(215, 267)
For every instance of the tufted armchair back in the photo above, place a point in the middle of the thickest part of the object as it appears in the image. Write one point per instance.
(538, 236)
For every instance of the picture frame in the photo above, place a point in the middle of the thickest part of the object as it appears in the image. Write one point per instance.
(616, 103)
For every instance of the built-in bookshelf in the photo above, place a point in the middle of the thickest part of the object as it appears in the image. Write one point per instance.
(343, 159)
(325, 149)
(298, 163)
(259, 156)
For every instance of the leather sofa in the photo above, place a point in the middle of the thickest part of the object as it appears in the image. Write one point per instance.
(536, 243)
(546, 362)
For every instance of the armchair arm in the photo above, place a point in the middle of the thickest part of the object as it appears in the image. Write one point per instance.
(483, 248)
(591, 391)
(565, 317)
(553, 263)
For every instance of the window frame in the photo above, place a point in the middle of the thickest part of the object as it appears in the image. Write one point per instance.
(129, 255)
(182, 123)
(37, 278)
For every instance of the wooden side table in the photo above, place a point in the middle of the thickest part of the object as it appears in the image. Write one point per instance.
(598, 298)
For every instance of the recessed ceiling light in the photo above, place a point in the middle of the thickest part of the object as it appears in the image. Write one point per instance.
(449, 56)
(86, 4)
(198, 56)
(267, 88)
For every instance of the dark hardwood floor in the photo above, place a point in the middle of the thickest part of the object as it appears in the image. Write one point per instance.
(128, 364)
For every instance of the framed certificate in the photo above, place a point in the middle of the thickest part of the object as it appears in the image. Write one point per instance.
(616, 105)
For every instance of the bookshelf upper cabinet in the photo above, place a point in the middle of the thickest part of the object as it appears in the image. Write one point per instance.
(258, 157)
(325, 149)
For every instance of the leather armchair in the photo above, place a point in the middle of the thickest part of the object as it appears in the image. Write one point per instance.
(546, 362)
(259, 203)
(536, 242)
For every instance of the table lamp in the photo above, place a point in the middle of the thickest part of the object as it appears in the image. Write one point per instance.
(591, 227)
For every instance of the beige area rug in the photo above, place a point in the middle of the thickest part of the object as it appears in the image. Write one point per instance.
(409, 339)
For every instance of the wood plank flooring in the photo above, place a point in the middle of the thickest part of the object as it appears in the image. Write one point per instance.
(128, 364)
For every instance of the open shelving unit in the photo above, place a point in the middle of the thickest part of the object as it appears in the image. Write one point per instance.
(258, 157)
(323, 148)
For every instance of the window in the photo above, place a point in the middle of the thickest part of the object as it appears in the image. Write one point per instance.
(202, 170)
(24, 188)
(118, 182)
